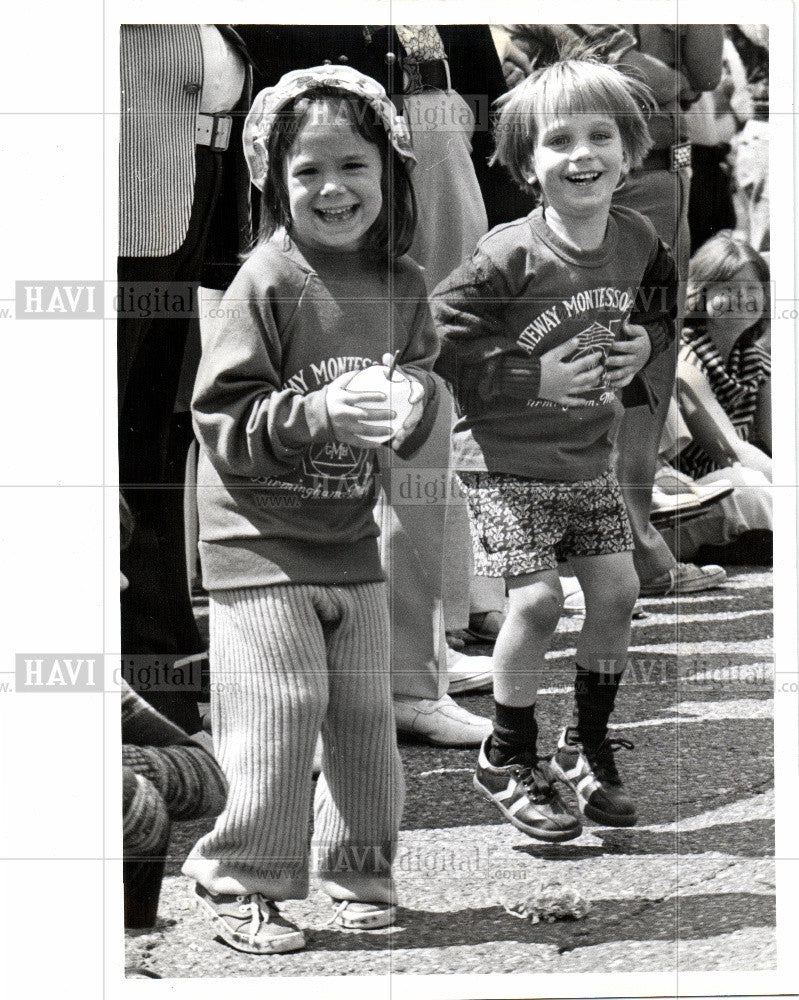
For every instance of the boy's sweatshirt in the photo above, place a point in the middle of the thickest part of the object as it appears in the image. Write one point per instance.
(280, 500)
(524, 292)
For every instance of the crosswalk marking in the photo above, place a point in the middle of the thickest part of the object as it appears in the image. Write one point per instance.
(741, 811)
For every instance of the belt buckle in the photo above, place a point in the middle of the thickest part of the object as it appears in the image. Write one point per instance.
(220, 133)
(415, 76)
(680, 156)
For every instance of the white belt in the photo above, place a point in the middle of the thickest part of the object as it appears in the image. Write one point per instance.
(213, 131)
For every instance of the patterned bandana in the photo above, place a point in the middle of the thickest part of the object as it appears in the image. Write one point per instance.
(267, 105)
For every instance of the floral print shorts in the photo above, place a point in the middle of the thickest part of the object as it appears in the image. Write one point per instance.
(522, 526)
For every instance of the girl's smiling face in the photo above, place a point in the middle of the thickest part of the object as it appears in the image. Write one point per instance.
(333, 180)
(578, 160)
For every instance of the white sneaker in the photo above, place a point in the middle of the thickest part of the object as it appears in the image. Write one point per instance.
(442, 723)
(469, 673)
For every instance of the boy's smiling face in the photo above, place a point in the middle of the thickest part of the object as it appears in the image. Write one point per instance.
(578, 160)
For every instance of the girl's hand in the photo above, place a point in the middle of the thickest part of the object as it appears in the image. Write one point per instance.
(351, 423)
(628, 356)
(413, 418)
(564, 382)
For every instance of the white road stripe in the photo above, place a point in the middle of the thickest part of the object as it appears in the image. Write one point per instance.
(708, 647)
(712, 711)
(656, 618)
(741, 811)
(445, 770)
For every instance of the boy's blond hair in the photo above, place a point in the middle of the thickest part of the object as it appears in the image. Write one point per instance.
(569, 87)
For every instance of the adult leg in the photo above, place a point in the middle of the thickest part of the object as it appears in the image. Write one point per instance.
(412, 513)
(662, 197)
(158, 625)
(360, 794)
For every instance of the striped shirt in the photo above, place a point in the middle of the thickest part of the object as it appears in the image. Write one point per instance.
(162, 73)
(168, 73)
(735, 385)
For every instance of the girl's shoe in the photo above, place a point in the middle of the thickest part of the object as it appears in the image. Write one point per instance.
(354, 915)
(250, 922)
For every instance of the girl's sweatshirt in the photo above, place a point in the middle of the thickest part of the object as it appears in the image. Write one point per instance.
(280, 499)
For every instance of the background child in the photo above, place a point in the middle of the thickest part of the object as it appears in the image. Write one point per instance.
(299, 630)
(724, 387)
(539, 330)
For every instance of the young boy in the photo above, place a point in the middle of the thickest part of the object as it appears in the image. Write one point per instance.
(543, 335)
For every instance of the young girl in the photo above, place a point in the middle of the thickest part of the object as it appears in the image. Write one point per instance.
(539, 331)
(724, 386)
(299, 631)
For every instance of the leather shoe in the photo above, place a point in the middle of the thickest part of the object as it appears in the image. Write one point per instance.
(469, 673)
(442, 723)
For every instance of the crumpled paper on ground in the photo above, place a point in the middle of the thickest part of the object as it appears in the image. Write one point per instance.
(549, 903)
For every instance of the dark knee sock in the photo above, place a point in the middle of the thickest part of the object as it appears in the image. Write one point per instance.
(515, 735)
(594, 698)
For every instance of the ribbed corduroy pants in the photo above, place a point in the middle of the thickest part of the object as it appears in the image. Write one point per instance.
(287, 662)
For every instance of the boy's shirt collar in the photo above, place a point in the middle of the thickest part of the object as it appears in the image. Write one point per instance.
(567, 251)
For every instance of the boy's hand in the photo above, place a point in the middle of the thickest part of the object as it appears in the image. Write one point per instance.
(628, 356)
(564, 382)
(351, 423)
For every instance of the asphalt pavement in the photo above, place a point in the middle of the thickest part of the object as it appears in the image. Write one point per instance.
(690, 888)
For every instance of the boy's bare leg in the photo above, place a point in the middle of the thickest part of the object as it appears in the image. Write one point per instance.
(585, 756)
(509, 771)
(610, 585)
(535, 602)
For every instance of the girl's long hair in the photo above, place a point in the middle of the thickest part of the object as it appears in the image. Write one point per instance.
(393, 230)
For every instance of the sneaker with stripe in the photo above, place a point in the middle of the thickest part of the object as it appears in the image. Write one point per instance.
(526, 797)
(593, 777)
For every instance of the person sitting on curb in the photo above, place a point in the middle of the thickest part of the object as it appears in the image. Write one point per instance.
(724, 384)
(166, 775)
